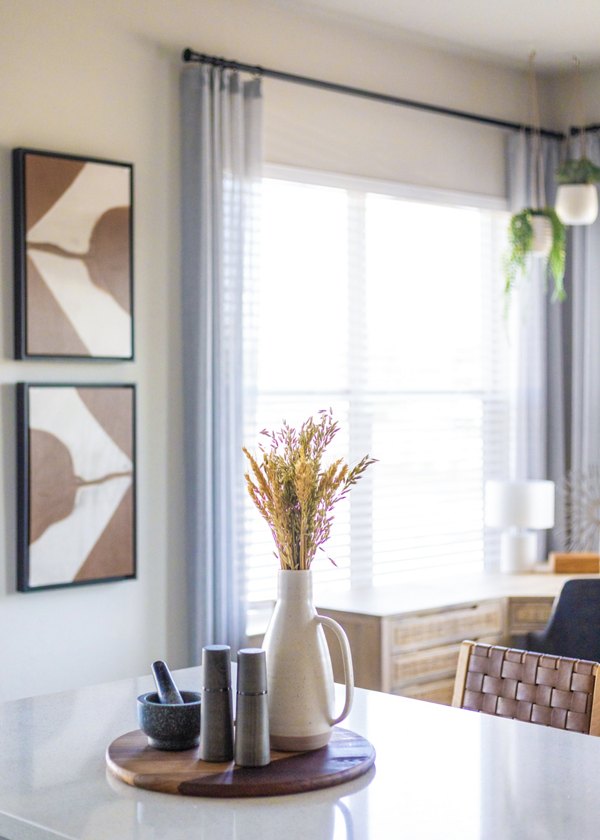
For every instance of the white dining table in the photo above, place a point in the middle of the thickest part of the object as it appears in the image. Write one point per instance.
(439, 773)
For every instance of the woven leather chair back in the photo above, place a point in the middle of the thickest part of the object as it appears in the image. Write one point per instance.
(536, 688)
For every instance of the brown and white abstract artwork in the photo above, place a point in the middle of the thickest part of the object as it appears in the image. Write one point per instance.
(77, 484)
(73, 256)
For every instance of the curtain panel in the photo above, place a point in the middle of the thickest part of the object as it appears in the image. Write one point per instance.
(221, 169)
(558, 351)
(584, 335)
(580, 495)
(537, 322)
(541, 406)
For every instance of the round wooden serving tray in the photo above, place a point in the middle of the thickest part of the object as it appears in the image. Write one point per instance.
(345, 757)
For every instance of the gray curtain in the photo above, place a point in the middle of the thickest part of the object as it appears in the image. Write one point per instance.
(580, 495)
(584, 336)
(558, 344)
(221, 161)
(539, 444)
(540, 398)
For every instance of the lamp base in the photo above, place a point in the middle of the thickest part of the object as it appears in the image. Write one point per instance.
(517, 552)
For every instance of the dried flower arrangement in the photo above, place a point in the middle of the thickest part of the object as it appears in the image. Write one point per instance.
(294, 493)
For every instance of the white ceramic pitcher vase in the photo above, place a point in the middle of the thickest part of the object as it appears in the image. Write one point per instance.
(299, 672)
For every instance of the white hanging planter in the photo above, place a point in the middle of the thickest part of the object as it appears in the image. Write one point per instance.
(577, 204)
(536, 232)
(542, 236)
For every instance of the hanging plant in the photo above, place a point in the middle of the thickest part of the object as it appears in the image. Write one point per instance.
(580, 171)
(536, 232)
(577, 195)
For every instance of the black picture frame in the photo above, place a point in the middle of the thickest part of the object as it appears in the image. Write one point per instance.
(76, 474)
(73, 256)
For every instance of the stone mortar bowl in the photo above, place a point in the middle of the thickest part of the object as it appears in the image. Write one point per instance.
(170, 726)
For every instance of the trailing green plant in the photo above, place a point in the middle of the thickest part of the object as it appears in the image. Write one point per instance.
(580, 171)
(520, 238)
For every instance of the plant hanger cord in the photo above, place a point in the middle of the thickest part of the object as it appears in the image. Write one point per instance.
(539, 191)
(579, 103)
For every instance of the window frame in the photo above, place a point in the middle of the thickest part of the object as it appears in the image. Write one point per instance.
(410, 192)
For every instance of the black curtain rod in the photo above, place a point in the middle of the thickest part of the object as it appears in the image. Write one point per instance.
(576, 129)
(191, 55)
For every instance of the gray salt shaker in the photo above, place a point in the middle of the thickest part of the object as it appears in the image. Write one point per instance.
(252, 710)
(216, 734)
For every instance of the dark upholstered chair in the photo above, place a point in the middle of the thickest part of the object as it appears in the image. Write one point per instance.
(532, 687)
(574, 626)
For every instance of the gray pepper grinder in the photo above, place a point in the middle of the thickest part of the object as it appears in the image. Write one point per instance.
(216, 733)
(252, 710)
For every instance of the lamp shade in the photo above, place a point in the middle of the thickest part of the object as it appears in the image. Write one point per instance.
(519, 504)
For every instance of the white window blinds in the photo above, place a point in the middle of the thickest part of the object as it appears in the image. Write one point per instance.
(385, 305)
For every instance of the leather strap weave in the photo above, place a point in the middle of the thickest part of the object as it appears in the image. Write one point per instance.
(533, 687)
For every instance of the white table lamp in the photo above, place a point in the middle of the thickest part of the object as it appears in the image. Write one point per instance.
(520, 508)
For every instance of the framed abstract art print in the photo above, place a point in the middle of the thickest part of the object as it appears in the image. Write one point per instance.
(76, 484)
(73, 253)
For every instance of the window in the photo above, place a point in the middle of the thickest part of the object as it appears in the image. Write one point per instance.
(385, 304)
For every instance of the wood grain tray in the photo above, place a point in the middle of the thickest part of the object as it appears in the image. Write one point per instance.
(346, 757)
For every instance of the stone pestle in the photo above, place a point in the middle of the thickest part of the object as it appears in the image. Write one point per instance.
(167, 690)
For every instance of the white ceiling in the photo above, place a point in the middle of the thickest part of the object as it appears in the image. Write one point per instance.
(499, 30)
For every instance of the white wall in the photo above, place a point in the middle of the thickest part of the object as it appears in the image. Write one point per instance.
(101, 78)
(569, 102)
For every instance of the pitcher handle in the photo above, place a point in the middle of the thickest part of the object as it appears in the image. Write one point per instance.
(347, 662)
